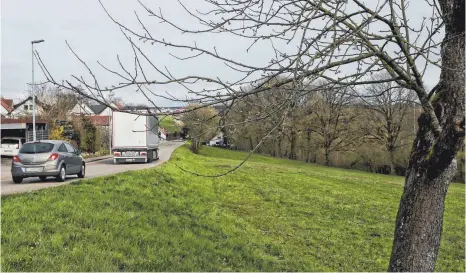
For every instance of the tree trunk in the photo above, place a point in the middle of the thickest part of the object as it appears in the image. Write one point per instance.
(279, 147)
(327, 156)
(314, 158)
(308, 147)
(251, 145)
(292, 145)
(259, 149)
(194, 146)
(392, 162)
(432, 163)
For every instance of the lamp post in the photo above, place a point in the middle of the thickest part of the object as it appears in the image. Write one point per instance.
(33, 92)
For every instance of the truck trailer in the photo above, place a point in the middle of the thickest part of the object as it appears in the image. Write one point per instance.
(135, 138)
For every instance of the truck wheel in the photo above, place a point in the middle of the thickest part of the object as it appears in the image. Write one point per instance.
(17, 179)
(149, 156)
(156, 154)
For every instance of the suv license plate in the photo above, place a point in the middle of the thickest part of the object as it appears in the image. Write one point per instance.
(33, 170)
(130, 153)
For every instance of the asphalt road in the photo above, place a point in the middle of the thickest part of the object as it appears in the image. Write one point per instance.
(94, 169)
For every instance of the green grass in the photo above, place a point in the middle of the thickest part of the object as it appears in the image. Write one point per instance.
(168, 122)
(270, 215)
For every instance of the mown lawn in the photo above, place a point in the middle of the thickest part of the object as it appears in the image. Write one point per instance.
(270, 215)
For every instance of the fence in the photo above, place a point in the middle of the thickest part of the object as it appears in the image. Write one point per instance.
(40, 135)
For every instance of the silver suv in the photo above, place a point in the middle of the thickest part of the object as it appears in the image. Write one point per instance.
(47, 158)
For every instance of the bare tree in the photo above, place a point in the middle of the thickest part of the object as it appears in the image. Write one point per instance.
(56, 101)
(333, 114)
(201, 124)
(387, 114)
(342, 42)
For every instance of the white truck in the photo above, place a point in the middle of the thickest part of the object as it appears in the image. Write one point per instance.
(134, 138)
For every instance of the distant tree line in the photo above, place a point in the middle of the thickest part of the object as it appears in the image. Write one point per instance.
(331, 125)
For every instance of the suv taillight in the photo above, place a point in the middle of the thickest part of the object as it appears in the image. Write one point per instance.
(116, 154)
(16, 159)
(53, 157)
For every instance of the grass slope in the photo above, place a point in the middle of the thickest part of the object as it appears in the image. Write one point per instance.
(168, 122)
(270, 215)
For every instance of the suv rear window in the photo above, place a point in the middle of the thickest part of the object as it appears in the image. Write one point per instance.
(10, 141)
(36, 148)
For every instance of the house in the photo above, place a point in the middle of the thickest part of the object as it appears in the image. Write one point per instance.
(21, 109)
(100, 121)
(24, 108)
(6, 107)
(101, 116)
(87, 109)
(81, 108)
(22, 127)
(162, 133)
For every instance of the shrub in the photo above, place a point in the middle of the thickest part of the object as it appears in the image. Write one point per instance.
(57, 133)
(88, 135)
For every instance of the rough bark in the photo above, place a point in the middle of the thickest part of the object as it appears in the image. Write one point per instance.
(392, 161)
(432, 163)
(195, 146)
(251, 145)
(259, 149)
(292, 144)
(278, 153)
(327, 156)
(308, 147)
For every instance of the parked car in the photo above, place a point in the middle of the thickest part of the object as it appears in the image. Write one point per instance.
(47, 158)
(11, 145)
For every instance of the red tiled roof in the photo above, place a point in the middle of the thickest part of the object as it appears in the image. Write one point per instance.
(7, 104)
(20, 120)
(119, 105)
(100, 120)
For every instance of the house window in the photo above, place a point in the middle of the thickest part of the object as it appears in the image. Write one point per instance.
(26, 107)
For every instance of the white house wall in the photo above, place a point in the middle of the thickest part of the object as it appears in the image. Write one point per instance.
(3, 111)
(21, 111)
(79, 109)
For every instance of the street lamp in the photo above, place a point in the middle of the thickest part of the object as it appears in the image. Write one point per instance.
(33, 92)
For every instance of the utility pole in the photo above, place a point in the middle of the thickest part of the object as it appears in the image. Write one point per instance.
(33, 92)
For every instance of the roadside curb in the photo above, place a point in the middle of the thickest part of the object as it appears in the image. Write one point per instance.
(92, 159)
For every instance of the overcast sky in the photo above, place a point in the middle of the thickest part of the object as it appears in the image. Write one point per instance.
(95, 37)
